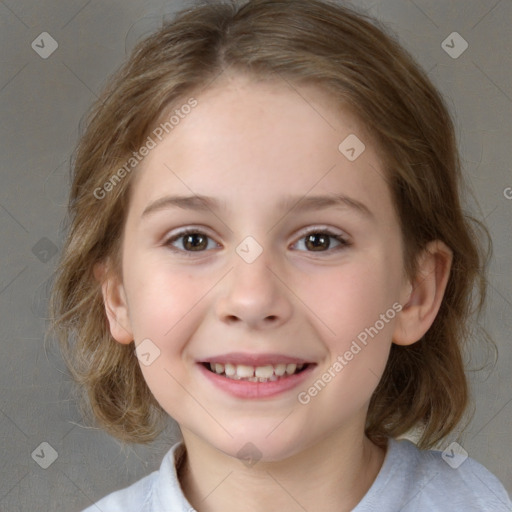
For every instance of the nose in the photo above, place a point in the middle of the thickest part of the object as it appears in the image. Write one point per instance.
(255, 294)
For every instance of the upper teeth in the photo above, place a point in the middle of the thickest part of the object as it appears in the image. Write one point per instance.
(263, 372)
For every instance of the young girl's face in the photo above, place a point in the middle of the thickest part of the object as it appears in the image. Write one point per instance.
(268, 277)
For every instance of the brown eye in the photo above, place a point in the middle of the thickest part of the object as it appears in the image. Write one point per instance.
(195, 242)
(189, 241)
(317, 241)
(321, 241)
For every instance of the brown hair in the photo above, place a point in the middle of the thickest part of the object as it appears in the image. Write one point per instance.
(350, 56)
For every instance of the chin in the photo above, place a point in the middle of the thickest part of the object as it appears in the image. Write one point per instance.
(256, 445)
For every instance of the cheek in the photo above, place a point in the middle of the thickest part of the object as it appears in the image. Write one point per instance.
(160, 300)
(354, 314)
(350, 298)
(354, 306)
(164, 309)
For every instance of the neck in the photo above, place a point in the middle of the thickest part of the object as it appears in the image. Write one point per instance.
(331, 475)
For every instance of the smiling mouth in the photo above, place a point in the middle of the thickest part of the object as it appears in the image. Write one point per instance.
(265, 373)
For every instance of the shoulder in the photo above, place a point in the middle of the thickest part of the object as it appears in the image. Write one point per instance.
(133, 498)
(160, 490)
(448, 480)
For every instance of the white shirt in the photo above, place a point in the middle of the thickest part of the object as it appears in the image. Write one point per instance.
(410, 480)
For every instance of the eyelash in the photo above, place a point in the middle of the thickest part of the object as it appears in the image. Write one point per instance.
(318, 231)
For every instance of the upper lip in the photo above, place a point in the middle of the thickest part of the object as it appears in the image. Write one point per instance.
(236, 358)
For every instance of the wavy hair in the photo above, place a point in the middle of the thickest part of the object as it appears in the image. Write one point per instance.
(350, 56)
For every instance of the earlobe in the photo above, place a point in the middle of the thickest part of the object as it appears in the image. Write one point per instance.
(423, 302)
(116, 306)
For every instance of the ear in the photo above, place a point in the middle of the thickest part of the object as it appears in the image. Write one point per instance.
(425, 295)
(116, 306)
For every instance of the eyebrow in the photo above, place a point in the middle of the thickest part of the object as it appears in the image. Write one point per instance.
(296, 203)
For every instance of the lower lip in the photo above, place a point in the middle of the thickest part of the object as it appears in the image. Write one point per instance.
(247, 389)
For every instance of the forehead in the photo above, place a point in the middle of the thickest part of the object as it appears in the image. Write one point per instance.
(249, 140)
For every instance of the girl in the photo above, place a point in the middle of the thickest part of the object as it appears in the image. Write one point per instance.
(267, 244)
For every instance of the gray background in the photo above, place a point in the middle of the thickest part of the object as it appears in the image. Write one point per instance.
(42, 102)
